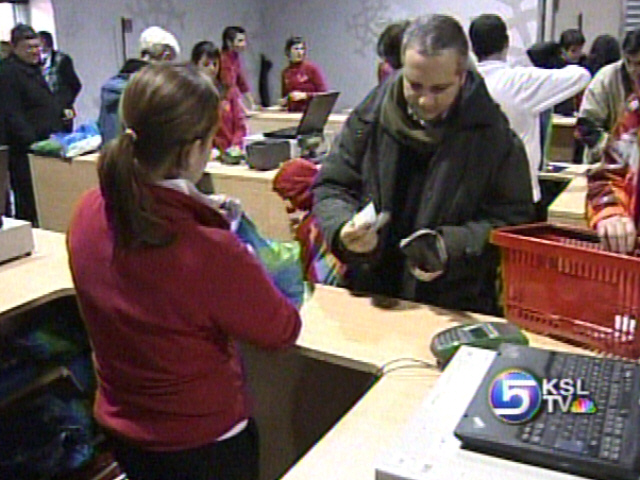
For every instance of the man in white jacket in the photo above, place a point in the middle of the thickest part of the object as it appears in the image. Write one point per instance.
(522, 92)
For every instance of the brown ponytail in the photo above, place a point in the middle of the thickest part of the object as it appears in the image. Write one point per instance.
(165, 108)
(128, 205)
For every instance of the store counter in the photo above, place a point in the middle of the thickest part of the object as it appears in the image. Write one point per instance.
(302, 395)
(58, 184)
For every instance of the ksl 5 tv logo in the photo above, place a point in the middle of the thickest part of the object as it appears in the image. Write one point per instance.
(516, 396)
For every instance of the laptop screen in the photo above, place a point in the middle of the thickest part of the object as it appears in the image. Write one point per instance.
(317, 113)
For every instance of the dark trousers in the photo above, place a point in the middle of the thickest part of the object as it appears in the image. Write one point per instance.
(236, 458)
(22, 185)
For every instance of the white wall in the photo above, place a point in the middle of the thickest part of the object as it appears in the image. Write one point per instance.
(42, 16)
(89, 30)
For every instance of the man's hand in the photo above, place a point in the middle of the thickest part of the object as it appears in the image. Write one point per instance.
(359, 238)
(618, 233)
(426, 254)
(68, 114)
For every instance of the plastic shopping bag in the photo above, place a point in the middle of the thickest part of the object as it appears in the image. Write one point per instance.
(280, 259)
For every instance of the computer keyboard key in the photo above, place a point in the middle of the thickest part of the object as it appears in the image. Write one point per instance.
(573, 446)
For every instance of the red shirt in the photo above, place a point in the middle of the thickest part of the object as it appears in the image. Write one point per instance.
(232, 127)
(231, 72)
(302, 77)
(162, 322)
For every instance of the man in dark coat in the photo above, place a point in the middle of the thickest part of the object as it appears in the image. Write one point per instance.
(61, 76)
(32, 113)
(432, 151)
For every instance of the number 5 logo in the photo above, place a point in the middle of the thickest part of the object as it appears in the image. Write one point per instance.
(515, 396)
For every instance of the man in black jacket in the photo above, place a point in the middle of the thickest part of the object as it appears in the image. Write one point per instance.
(32, 113)
(432, 150)
(58, 71)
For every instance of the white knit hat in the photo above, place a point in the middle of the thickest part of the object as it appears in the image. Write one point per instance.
(158, 36)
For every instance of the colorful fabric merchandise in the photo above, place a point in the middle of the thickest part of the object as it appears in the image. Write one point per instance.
(293, 183)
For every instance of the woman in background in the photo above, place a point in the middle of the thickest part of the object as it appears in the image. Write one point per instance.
(165, 290)
(232, 127)
(301, 79)
(232, 75)
(389, 50)
(605, 49)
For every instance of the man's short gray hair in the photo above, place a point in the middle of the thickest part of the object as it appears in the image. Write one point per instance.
(432, 34)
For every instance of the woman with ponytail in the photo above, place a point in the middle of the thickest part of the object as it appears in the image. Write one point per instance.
(165, 289)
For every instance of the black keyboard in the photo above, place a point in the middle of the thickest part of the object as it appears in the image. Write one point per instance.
(597, 435)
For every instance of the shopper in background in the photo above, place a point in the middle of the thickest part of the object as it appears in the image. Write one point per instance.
(232, 74)
(232, 126)
(32, 114)
(604, 51)
(606, 96)
(388, 50)
(156, 45)
(58, 71)
(166, 290)
(5, 50)
(523, 93)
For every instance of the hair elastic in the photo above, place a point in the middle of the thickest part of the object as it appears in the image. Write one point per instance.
(131, 132)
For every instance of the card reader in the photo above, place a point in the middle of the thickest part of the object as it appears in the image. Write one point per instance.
(487, 335)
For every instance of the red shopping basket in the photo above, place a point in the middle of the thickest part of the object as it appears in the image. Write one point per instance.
(559, 281)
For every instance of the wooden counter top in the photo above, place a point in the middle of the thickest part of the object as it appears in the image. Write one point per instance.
(38, 278)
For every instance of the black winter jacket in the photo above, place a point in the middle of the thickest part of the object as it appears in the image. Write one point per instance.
(32, 110)
(477, 179)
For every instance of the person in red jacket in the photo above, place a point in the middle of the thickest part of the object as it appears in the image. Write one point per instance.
(301, 79)
(232, 75)
(232, 126)
(613, 203)
(166, 289)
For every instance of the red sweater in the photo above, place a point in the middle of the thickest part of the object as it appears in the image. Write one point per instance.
(231, 71)
(301, 77)
(232, 127)
(162, 322)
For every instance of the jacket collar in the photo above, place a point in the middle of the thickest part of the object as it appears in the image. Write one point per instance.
(176, 206)
(24, 66)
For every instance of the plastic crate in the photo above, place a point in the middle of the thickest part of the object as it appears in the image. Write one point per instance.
(560, 282)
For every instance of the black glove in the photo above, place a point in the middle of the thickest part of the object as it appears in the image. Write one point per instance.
(426, 254)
